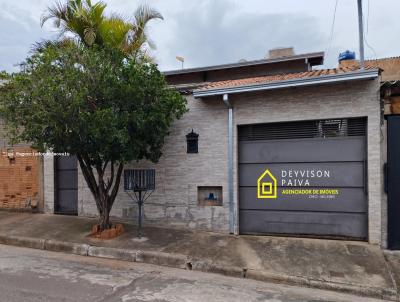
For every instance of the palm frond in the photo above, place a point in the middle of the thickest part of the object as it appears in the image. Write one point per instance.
(87, 22)
(58, 12)
(114, 30)
(138, 37)
(97, 12)
(144, 14)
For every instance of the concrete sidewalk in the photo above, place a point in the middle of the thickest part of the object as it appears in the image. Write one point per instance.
(353, 267)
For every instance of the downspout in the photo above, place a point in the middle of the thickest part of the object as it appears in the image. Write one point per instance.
(225, 98)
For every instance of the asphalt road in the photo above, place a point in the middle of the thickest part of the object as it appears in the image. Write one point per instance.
(40, 276)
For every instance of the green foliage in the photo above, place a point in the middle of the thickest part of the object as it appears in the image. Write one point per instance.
(92, 102)
(4, 75)
(95, 95)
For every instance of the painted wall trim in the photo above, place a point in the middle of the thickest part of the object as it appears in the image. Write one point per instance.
(326, 79)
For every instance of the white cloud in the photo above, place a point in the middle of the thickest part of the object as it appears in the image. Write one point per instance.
(218, 31)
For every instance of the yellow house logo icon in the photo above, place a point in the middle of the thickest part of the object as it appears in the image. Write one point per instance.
(266, 185)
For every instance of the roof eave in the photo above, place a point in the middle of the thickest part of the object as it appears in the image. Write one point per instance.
(316, 58)
(326, 79)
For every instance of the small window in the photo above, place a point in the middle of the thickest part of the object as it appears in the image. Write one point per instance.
(209, 196)
(192, 140)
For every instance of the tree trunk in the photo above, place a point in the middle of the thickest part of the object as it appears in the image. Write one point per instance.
(103, 191)
(104, 220)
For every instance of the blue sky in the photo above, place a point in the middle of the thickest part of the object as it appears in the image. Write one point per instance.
(208, 32)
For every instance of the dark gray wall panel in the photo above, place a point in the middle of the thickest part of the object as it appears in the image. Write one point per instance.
(67, 179)
(66, 162)
(393, 181)
(306, 150)
(66, 201)
(350, 174)
(348, 200)
(301, 223)
(66, 185)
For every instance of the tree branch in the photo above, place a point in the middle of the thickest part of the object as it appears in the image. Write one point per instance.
(90, 180)
(111, 179)
(114, 191)
(105, 164)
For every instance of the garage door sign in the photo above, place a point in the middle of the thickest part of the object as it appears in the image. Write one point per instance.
(295, 182)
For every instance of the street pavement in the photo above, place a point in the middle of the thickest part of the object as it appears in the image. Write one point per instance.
(37, 275)
(346, 266)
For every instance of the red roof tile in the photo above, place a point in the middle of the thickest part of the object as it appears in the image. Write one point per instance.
(281, 77)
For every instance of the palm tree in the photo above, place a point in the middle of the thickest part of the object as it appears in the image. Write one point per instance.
(89, 25)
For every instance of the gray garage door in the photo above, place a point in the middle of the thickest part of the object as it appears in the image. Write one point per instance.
(306, 178)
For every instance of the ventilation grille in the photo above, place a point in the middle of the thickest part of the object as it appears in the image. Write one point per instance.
(307, 129)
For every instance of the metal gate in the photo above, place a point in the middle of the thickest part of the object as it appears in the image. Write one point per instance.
(393, 181)
(305, 178)
(66, 185)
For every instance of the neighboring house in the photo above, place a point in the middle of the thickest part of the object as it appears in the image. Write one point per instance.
(389, 66)
(390, 93)
(390, 132)
(317, 132)
(390, 79)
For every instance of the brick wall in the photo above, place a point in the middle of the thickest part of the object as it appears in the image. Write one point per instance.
(20, 176)
(19, 179)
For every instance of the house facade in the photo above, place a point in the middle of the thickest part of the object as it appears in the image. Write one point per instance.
(315, 134)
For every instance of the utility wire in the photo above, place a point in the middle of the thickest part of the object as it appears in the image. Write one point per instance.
(375, 56)
(366, 34)
(332, 28)
(368, 18)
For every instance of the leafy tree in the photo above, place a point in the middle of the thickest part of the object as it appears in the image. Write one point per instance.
(4, 75)
(95, 104)
(87, 22)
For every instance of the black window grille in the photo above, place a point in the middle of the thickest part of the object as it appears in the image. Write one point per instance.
(140, 180)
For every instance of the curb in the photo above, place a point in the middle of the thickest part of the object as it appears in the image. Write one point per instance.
(29, 242)
(208, 266)
(373, 292)
(111, 253)
(195, 264)
(66, 247)
(162, 259)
